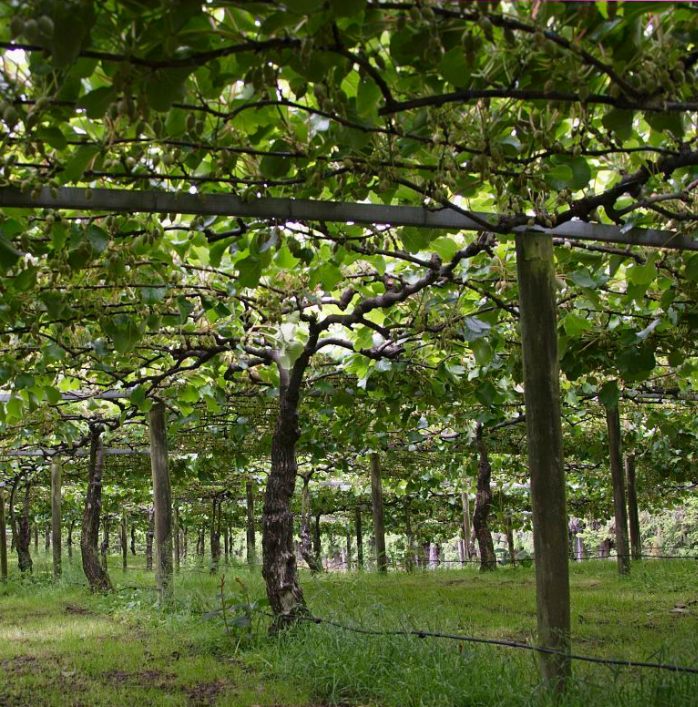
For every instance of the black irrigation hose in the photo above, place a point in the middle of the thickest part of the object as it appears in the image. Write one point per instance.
(507, 644)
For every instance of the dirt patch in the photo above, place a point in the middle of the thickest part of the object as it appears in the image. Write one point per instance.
(206, 693)
(201, 695)
(79, 610)
(19, 665)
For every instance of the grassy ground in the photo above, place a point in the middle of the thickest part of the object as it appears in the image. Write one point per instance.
(61, 646)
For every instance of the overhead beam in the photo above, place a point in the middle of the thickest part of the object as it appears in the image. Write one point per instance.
(282, 209)
(79, 453)
(79, 395)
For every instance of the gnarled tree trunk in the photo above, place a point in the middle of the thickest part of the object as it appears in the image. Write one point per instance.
(305, 546)
(150, 533)
(21, 529)
(215, 535)
(251, 539)
(89, 537)
(279, 567)
(483, 501)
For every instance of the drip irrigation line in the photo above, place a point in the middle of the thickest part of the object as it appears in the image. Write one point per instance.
(495, 642)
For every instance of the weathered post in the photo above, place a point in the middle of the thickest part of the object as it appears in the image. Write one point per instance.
(3, 535)
(124, 541)
(162, 501)
(541, 369)
(251, 540)
(56, 517)
(633, 512)
(620, 510)
(378, 519)
(177, 538)
(359, 538)
(465, 502)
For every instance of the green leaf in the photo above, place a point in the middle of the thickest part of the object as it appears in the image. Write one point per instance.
(666, 122)
(609, 394)
(367, 97)
(97, 102)
(583, 278)
(575, 325)
(691, 270)
(329, 276)
(486, 393)
(416, 239)
(165, 87)
(98, 237)
(642, 274)
(153, 295)
(9, 255)
(347, 8)
(559, 177)
(124, 331)
(77, 163)
(275, 167)
(51, 135)
(474, 329)
(455, 67)
(303, 7)
(619, 122)
(249, 271)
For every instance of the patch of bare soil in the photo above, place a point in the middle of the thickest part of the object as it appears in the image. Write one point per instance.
(201, 695)
(79, 610)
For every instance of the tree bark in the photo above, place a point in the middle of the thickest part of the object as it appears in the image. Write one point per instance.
(359, 538)
(409, 555)
(47, 536)
(251, 540)
(317, 541)
(89, 536)
(133, 538)
(633, 512)
(618, 481)
(483, 502)
(467, 530)
(279, 567)
(149, 534)
(56, 518)
(510, 538)
(105, 542)
(541, 373)
(215, 539)
(349, 563)
(305, 545)
(434, 555)
(3, 536)
(378, 517)
(124, 541)
(162, 501)
(24, 559)
(69, 542)
(177, 538)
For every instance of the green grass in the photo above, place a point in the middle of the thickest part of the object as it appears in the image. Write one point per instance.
(60, 645)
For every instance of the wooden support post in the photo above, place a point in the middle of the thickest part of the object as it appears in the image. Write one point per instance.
(251, 540)
(633, 511)
(465, 503)
(124, 541)
(378, 519)
(3, 536)
(615, 452)
(359, 538)
(177, 538)
(541, 369)
(162, 501)
(56, 518)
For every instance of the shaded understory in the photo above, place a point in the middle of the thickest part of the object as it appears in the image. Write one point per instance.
(61, 646)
